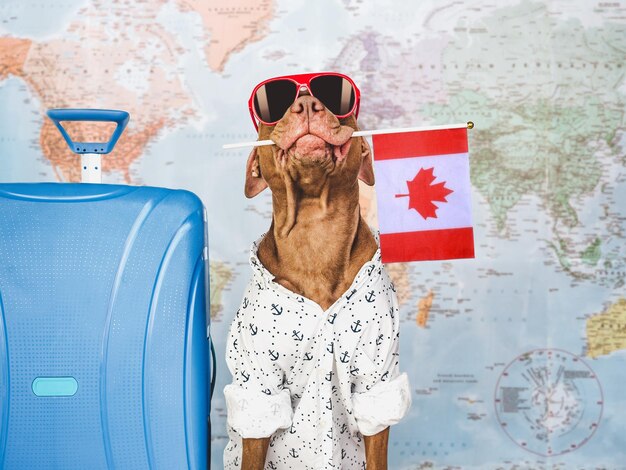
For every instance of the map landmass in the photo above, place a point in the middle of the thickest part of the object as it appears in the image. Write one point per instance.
(229, 28)
(606, 332)
(535, 135)
(221, 277)
(139, 66)
(423, 309)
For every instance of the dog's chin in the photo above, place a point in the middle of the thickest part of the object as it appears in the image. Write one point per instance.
(310, 149)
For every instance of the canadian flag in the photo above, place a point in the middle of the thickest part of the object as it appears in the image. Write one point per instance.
(423, 194)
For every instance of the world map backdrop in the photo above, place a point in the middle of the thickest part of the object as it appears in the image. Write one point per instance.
(517, 358)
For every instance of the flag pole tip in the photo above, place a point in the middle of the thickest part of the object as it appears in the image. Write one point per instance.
(470, 125)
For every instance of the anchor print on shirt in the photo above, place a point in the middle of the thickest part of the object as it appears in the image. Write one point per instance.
(370, 297)
(275, 409)
(273, 354)
(344, 357)
(360, 318)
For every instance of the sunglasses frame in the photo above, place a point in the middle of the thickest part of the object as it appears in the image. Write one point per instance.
(304, 80)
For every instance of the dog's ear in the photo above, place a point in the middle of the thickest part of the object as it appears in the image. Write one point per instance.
(366, 173)
(254, 180)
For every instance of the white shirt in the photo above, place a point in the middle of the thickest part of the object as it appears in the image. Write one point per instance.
(314, 380)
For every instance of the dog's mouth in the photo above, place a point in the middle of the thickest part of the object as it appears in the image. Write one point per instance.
(313, 149)
(312, 142)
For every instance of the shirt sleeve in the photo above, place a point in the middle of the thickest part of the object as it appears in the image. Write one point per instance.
(256, 402)
(381, 396)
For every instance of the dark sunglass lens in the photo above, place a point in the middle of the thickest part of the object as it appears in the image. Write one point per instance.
(336, 93)
(273, 99)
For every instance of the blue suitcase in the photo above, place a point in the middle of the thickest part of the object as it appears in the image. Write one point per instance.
(103, 325)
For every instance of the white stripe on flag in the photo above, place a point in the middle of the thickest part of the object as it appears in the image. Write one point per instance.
(394, 215)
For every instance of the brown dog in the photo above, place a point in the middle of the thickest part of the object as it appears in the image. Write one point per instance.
(318, 240)
(316, 245)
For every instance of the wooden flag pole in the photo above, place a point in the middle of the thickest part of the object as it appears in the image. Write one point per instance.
(260, 143)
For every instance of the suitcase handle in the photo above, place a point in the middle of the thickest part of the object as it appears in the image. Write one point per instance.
(105, 115)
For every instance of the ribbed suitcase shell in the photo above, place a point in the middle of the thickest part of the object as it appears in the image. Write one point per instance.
(102, 287)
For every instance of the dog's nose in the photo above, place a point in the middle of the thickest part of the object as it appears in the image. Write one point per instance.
(308, 104)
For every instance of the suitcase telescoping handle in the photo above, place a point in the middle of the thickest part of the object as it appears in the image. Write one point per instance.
(90, 152)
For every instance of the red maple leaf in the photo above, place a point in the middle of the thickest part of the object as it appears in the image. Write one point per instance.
(422, 193)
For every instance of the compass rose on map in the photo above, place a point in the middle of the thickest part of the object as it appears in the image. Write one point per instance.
(549, 402)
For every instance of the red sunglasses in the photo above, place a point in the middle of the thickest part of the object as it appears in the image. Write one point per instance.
(271, 98)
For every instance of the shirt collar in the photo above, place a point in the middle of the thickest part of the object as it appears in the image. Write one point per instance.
(255, 263)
